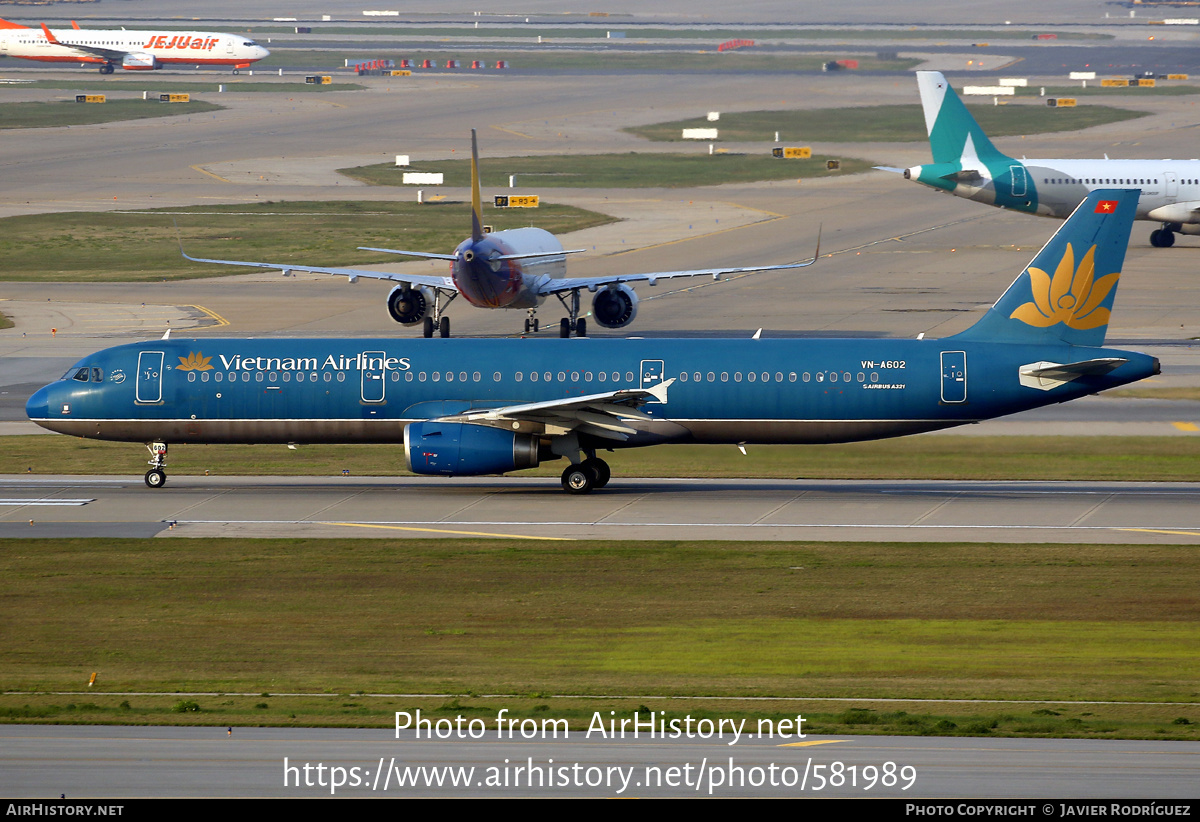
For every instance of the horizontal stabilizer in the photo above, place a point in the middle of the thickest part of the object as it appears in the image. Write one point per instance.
(889, 168)
(1048, 375)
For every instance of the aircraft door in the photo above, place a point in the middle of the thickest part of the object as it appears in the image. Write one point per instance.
(1171, 186)
(149, 379)
(1019, 184)
(954, 376)
(652, 374)
(374, 377)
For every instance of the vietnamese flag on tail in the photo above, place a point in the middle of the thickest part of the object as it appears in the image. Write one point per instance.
(1106, 207)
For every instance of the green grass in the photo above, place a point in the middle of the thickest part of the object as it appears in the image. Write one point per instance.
(1165, 459)
(289, 85)
(889, 124)
(851, 620)
(743, 60)
(5, 322)
(616, 170)
(70, 113)
(115, 246)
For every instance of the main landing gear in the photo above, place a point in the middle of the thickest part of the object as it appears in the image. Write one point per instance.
(572, 324)
(582, 477)
(156, 477)
(442, 324)
(107, 68)
(1163, 237)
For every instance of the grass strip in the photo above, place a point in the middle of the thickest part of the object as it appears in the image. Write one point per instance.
(887, 124)
(1135, 459)
(848, 620)
(70, 113)
(144, 245)
(629, 170)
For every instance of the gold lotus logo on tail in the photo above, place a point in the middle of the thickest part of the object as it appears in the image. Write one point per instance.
(195, 361)
(1072, 296)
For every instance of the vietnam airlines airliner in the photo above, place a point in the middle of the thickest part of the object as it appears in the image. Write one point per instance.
(465, 407)
(131, 50)
(966, 164)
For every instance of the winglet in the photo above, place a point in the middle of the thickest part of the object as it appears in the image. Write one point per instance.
(74, 25)
(659, 392)
(476, 200)
(167, 336)
(49, 35)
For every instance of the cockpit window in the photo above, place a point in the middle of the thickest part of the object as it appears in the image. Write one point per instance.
(83, 374)
(249, 43)
(97, 375)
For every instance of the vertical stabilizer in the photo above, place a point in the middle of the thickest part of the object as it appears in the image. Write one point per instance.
(5, 24)
(476, 200)
(1066, 292)
(953, 133)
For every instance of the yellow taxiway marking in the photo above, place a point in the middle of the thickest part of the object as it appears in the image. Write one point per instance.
(1153, 531)
(1186, 426)
(440, 531)
(210, 174)
(510, 131)
(217, 318)
(810, 744)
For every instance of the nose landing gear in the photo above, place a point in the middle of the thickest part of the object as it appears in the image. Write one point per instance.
(156, 477)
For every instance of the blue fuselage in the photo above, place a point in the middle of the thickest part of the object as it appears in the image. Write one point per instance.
(724, 391)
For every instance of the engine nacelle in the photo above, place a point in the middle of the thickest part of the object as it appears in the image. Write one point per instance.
(408, 306)
(465, 450)
(615, 307)
(140, 61)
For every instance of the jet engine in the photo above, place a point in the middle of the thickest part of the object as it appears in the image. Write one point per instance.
(466, 450)
(409, 306)
(615, 307)
(140, 61)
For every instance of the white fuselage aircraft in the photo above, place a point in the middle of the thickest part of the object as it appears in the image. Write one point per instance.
(966, 164)
(131, 50)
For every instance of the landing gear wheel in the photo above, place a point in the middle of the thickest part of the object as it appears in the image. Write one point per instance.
(427, 330)
(527, 324)
(156, 478)
(444, 327)
(581, 327)
(535, 325)
(1162, 238)
(600, 468)
(235, 71)
(564, 328)
(578, 479)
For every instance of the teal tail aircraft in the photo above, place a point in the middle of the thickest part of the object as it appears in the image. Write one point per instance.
(515, 269)
(966, 164)
(471, 407)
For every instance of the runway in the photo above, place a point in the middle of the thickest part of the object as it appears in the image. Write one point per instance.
(628, 509)
(99, 762)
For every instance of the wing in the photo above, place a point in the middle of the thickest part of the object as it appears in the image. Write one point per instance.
(445, 283)
(98, 51)
(600, 415)
(593, 283)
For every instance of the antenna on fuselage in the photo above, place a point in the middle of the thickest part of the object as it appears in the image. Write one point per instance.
(476, 200)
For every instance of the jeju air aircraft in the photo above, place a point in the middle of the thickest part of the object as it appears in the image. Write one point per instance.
(468, 407)
(966, 164)
(131, 50)
(515, 269)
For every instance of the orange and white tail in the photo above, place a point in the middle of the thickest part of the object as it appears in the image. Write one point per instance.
(4, 24)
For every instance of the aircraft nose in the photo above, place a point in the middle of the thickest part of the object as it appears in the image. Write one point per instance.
(38, 406)
(263, 53)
